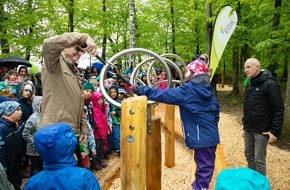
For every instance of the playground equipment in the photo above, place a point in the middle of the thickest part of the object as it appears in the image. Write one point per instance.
(140, 163)
(140, 129)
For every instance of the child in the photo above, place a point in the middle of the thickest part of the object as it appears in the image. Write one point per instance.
(26, 95)
(162, 85)
(89, 146)
(122, 94)
(12, 77)
(32, 125)
(115, 113)
(199, 111)
(11, 154)
(102, 128)
(56, 144)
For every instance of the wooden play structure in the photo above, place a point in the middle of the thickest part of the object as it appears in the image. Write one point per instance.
(139, 167)
(141, 148)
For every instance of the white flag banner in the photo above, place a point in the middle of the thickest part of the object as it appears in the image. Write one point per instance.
(225, 24)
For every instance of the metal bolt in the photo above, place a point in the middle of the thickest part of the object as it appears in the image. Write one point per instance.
(131, 112)
(130, 139)
(131, 127)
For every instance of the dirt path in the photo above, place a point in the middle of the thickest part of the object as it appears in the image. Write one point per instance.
(180, 176)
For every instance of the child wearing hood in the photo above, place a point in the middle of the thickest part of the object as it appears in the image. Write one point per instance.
(162, 85)
(11, 154)
(22, 72)
(199, 112)
(115, 112)
(26, 96)
(55, 144)
(32, 125)
(102, 127)
(89, 147)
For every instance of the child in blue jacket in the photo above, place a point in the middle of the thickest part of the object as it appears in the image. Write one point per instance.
(55, 144)
(199, 112)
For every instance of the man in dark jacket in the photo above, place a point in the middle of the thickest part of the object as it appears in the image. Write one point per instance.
(263, 114)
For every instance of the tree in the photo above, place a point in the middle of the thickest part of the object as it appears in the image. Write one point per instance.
(286, 126)
(209, 27)
(133, 23)
(3, 40)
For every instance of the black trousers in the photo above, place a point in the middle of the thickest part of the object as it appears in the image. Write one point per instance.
(99, 149)
(78, 153)
(36, 165)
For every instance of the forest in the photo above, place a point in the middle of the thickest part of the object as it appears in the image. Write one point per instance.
(183, 28)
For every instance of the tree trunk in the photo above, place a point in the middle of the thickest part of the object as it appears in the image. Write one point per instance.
(28, 47)
(133, 25)
(196, 29)
(133, 28)
(235, 66)
(104, 42)
(4, 45)
(276, 22)
(286, 126)
(71, 15)
(172, 27)
(209, 27)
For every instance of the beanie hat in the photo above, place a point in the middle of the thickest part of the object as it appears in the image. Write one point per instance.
(88, 85)
(8, 107)
(27, 87)
(197, 67)
(121, 91)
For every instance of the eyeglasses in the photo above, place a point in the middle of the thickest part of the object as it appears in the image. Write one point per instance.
(79, 50)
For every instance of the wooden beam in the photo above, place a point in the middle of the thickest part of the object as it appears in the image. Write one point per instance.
(153, 155)
(110, 175)
(133, 143)
(169, 136)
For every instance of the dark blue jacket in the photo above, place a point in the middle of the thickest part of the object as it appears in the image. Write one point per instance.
(55, 144)
(199, 110)
(6, 127)
(26, 109)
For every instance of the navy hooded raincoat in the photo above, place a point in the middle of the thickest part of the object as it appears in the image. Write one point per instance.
(199, 110)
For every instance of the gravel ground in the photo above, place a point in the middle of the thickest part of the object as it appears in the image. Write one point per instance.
(180, 176)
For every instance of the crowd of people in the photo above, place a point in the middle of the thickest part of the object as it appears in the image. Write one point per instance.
(59, 120)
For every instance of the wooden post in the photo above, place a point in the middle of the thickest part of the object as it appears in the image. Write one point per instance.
(223, 75)
(133, 143)
(153, 155)
(152, 108)
(169, 136)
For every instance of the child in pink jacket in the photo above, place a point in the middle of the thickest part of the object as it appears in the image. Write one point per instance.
(102, 128)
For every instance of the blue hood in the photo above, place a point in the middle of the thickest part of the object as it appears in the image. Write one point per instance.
(240, 179)
(56, 144)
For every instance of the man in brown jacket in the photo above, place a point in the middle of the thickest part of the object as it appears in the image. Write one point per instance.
(62, 90)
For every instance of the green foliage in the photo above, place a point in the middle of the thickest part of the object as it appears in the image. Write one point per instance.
(27, 23)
